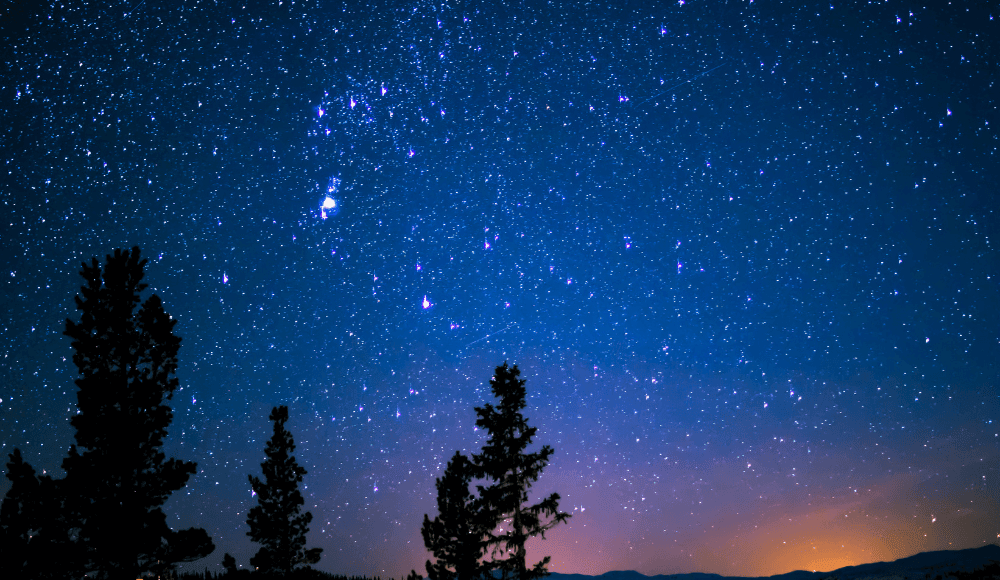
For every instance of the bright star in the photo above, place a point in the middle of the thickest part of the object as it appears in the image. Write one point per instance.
(329, 207)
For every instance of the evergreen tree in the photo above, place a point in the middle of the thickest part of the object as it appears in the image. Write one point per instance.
(456, 536)
(20, 520)
(229, 564)
(33, 525)
(277, 521)
(511, 471)
(117, 477)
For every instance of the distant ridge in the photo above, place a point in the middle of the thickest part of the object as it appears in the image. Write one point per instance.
(916, 567)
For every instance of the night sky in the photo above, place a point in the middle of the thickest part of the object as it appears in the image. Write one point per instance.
(744, 253)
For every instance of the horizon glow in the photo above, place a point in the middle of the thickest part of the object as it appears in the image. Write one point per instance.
(748, 269)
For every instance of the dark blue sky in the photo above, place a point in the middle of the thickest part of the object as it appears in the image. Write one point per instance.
(743, 252)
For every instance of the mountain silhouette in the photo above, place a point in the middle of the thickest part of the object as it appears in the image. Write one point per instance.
(917, 567)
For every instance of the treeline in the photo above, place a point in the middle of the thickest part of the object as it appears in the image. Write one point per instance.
(298, 574)
(986, 572)
(104, 518)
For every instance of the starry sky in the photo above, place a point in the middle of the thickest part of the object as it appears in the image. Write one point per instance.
(744, 253)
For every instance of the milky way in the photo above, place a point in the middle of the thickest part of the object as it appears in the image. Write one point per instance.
(743, 253)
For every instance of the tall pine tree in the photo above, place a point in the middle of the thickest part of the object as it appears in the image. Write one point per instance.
(117, 477)
(277, 522)
(456, 536)
(510, 471)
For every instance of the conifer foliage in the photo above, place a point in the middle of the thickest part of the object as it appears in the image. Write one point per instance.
(20, 519)
(484, 536)
(511, 471)
(117, 477)
(455, 536)
(277, 522)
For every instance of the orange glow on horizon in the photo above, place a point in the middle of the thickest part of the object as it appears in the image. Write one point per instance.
(820, 535)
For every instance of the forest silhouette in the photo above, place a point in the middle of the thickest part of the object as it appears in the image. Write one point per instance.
(104, 519)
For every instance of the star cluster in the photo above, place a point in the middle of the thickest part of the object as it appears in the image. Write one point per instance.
(742, 252)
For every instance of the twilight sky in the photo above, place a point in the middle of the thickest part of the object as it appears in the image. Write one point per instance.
(744, 253)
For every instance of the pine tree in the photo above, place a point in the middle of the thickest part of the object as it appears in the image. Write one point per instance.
(277, 521)
(20, 520)
(229, 564)
(117, 477)
(505, 462)
(34, 524)
(455, 537)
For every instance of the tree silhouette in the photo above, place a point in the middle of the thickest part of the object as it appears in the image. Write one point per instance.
(33, 525)
(229, 564)
(456, 535)
(20, 520)
(117, 477)
(277, 521)
(512, 470)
